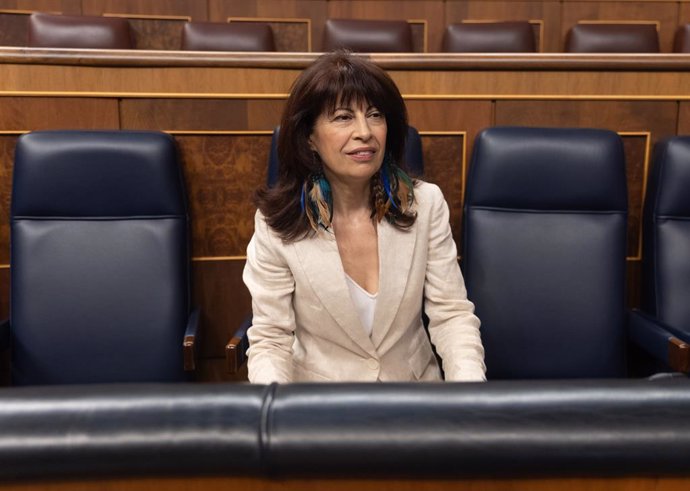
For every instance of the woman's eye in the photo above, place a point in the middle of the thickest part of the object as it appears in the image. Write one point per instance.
(341, 117)
(375, 115)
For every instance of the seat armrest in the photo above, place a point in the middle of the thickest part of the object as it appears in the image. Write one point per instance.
(665, 343)
(236, 349)
(4, 335)
(189, 341)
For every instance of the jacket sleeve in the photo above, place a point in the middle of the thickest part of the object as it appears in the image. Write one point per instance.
(271, 284)
(453, 327)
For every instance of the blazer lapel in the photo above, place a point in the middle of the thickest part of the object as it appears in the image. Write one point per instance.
(396, 249)
(321, 263)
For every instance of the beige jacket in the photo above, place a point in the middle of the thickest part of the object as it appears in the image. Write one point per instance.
(306, 328)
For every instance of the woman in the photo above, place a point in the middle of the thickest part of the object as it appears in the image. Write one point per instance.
(347, 249)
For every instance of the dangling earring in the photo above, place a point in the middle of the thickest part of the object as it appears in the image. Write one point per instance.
(386, 173)
(316, 200)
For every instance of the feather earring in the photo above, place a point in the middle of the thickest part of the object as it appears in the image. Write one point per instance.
(317, 202)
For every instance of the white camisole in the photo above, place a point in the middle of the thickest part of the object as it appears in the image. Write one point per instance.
(365, 304)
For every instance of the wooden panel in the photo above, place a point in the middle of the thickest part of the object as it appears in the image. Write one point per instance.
(684, 118)
(157, 33)
(444, 160)
(7, 144)
(218, 290)
(216, 370)
(665, 13)
(410, 10)
(290, 35)
(30, 113)
(224, 483)
(201, 114)
(222, 172)
(195, 9)
(14, 29)
(544, 14)
(54, 6)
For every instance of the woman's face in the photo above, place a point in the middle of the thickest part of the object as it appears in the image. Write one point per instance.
(351, 142)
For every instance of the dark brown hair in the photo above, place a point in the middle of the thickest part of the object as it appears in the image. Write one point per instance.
(334, 78)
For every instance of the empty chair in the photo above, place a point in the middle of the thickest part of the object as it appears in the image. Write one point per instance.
(79, 31)
(233, 36)
(612, 38)
(370, 36)
(489, 37)
(99, 260)
(663, 326)
(544, 251)
(414, 159)
(681, 43)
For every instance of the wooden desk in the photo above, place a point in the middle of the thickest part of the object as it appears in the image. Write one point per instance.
(222, 108)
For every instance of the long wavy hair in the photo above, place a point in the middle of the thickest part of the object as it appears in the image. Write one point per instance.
(337, 78)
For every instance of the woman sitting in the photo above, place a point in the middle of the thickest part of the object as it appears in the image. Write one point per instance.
(348, 250)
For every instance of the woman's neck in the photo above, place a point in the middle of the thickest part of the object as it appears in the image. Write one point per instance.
(350, 199)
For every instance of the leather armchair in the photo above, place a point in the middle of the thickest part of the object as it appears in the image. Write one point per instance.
(489, 37)
(232, 36)
(681, 42)
(368, 36)
(662, 326)
(612, 38)
(79, 31)
(99, 260)
(544, 251)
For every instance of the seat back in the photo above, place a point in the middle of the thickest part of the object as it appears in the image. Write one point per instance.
(612, 38)
(79, 31)
(544, 251)
(233, 36)
(681, 43)
(99, 258)
(666, 230)
(489, 37)
(369, 36)
(414, 158)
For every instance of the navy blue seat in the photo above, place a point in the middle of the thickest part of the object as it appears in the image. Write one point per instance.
(544, 251)
(414, 158)
(100, 260)
(663, 325)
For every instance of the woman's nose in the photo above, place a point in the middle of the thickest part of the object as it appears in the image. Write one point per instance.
(362, 129)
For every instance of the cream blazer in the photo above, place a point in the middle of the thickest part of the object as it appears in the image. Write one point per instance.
(305, 326)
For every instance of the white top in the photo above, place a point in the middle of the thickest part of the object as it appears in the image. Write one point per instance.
(365, 304)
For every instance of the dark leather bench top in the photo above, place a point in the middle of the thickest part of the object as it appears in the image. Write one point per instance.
(525, 428)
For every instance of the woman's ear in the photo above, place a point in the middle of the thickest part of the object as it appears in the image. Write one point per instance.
(312, 147)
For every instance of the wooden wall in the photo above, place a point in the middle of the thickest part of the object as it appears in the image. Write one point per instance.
(298, 24)
(222, 110)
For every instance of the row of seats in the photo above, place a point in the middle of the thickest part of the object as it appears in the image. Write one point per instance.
(544, 251)
(62, 31)
(100, 262)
